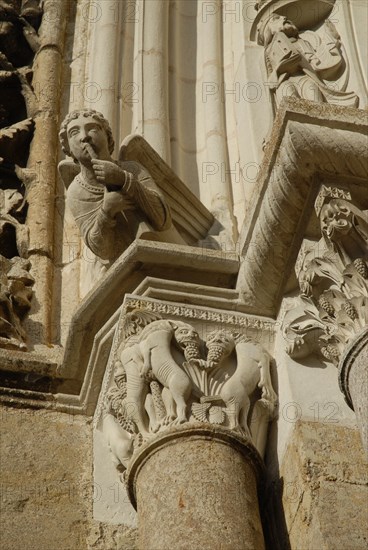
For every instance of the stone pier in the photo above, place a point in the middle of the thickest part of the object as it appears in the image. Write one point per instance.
(196, 487)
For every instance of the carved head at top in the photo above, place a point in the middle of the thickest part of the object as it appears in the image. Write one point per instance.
(86, 134)
(220, 344)
(185, 335)
(335, 217)
(275, 23)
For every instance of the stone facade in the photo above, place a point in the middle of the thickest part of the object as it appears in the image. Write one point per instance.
(183, 317)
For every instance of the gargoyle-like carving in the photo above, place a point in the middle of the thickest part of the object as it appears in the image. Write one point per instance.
(305, 65)
(19, 22)
(15, 279)
(112, 203)
(15, 301)
(164, 376)
(333, 278)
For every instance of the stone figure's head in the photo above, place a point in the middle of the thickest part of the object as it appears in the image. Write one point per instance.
(336, 219)
(273, 24)
(186, 335)
(86, 134)
(220, 344)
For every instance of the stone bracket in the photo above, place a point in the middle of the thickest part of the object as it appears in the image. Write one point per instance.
(310, 142)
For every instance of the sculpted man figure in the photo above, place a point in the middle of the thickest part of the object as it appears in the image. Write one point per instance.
(300, 67)
(112, 203)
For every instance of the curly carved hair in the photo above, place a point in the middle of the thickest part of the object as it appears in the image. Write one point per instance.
(63, 136)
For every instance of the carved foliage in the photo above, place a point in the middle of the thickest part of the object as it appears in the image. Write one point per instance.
(19, 42)
(166, 375)
(333, 279)
(15, 280)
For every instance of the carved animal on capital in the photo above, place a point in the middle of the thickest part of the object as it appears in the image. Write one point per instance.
(187, 339)
(155, 346)
(220, 344)
(252, 372)
(147, 357)
(120, 441)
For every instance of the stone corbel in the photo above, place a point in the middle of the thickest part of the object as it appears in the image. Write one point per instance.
(333, 280)
(310, 143)
(313, 148)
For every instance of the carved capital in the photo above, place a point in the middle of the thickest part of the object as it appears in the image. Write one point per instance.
(166, 376)
(309, 143)
(333, 280)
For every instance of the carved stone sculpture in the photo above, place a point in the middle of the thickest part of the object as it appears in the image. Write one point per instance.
(304, 65)
(15, 301)
(333, 279)
(164, 377)
(19, 22)
(15, 280)
(112, 203)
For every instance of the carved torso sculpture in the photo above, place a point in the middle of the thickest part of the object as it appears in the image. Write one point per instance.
(160, 390)
(112, 203)
(297, 67)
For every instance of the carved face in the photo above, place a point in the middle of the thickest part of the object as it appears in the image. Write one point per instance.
(335, 219)
(85, 133)
(279, 23)
(186, 335)
(220, 344)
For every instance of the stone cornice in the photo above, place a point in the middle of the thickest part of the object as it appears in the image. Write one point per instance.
(309, 142)
(69, 378)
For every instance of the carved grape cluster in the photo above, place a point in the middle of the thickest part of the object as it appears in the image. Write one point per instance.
(361, 267)
(326, 306)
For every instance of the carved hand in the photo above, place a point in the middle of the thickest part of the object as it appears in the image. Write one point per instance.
(113, 202)
(108, 173)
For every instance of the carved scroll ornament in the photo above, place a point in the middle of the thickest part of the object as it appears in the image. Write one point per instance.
(166, 375)
(333, 279)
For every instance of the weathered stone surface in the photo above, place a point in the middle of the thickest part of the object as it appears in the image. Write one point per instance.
(47, 490)
(45, 476)
(113, 537)
(197, 488)
(353, 379)
(324, 493)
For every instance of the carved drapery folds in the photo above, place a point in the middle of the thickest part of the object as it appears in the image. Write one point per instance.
(304, 55)
(165, 375)
(333, 280)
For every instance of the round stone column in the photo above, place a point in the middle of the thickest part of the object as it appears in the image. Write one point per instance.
(195, 487)
(353, 381)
